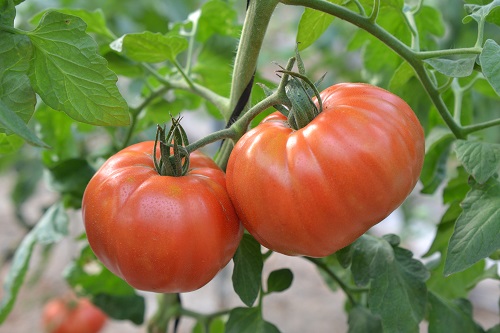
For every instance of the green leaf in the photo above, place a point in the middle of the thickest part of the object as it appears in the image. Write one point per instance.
(95, 20)
(461, 283)
(397, 283)
(63, 138)
(444, 230)
(480, 12)
(430, 24)
(247, 272)
(214, 66)
(216, 326)
(122, 307)
(114, 296)
(123, 66)
(457, 188)
(461, 67)
(150, 47)
(451, 316)
(69, 74)
(477, 229)
(15, 87)
(312, 25)
(28, 175)
(334, 265)
(480, 159)
(490, 63)
(344, 256)
(248, 320)
(279, 280)
(8, 12)
(494, 329)
(90, 277)
(70, 178)
(50, 229)
(361, 320)
(405, 84)
(217, 17)
(437, 149)
(10, 143)
(393, 21)
(14, 124)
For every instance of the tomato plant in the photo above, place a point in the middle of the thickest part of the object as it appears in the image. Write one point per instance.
(85, 83)
(315, 190)
(71, 315)
(160, 233)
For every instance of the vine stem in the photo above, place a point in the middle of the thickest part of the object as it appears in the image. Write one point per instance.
(393, 43)
(376, 10)
(347, 290)
(220, 102)
(443, 53)
(236, 130)
(481, 126)
(227, 133)
(136, 111)
(458, 98)
(480, 32)
(257, 18)
(412, 25)
(11, 30)
(168, 308)
(194, 17)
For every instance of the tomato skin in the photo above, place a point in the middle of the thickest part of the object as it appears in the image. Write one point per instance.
(160, 233)
(315, 190)
(62, 315)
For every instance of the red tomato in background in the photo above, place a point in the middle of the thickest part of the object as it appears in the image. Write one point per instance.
(160, 233)
(315, 190)
(62, 315)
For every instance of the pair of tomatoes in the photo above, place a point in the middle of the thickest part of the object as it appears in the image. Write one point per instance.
(310, 191)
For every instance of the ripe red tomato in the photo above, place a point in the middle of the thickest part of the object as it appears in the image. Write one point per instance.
(315, 190)
(160, 233)
(68, 315)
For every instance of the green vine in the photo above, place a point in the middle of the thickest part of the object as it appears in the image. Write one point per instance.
(412, 56)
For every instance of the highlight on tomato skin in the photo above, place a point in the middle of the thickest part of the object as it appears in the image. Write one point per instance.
(315, 190)
(162, 234)
(72, 315)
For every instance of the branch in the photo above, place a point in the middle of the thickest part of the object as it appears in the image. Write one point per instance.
(450, 52)
(394, 44)
(220, 102)
(334, 277)
(254, 28)
(134, 112)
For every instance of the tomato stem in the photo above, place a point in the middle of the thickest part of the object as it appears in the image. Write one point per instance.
(303, 109)
(347, 290)
(168, 308)
(220, 102)
(174, 157)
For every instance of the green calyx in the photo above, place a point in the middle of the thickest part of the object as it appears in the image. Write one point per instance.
(300, 91)
(299, 107)
(174, 157)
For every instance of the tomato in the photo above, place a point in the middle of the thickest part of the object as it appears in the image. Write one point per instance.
(160, 233)
(67, 315)
(314, 190)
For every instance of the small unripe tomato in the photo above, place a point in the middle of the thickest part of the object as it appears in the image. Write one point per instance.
(71, 315)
